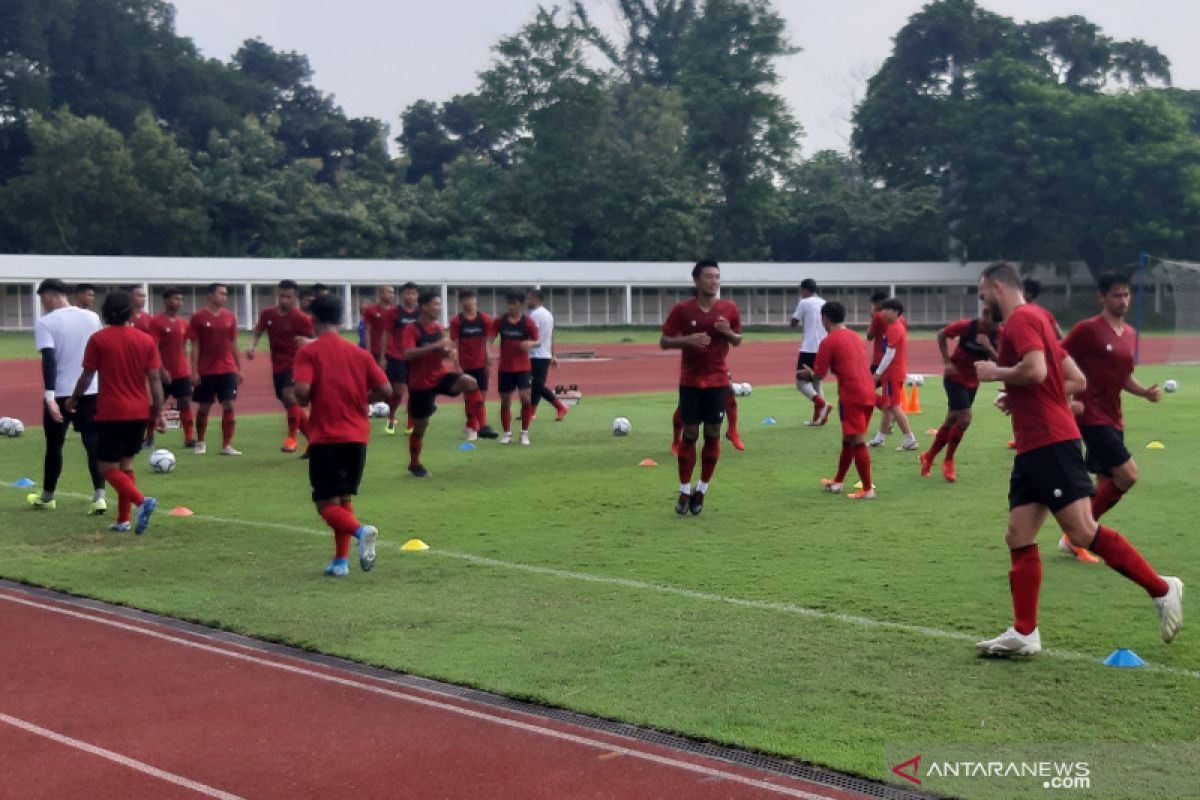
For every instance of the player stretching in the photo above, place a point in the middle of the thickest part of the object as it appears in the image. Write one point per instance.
(216, 366)
(1103, 347)
(426, 347)
(518, 335)
(126, 361)
(1048, 474)
(976, 340)
(891, 374)
(283, 323)
(469, 330)
(396, 320)
(808, 317)
(704, 328)
(170, 331)
(844, 354)
(338, 380)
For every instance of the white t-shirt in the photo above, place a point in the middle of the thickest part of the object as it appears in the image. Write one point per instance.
(66, 331)
(544, 320)
(808, 311)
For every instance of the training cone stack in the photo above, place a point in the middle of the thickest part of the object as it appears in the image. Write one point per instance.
(1123, 658)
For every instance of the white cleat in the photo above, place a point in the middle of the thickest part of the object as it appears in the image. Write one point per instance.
(367, 536)
(878, 441)
(525, 438)
(228, 450)
(472, 435)
(1011, 643)
(1170, 609)
(506, 437)
(909, 444)
(200, 449)
(833, 487)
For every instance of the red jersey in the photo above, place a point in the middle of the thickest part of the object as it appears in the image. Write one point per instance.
(877, 330)
(513, 357)
(897, 338)
(844, 353)
(967, 351)
(471, 336)
(141, 322)
(121, 355)
(171, 335)
(425, 371)
(1040, 415)
(395, 320)
(376, 316)
(340, 374)
(703, 367)
(282, 330)
(214, 337)
(1106, 358)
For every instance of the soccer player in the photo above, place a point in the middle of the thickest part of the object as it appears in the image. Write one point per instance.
(877, 329)
(282, 323)
(307, 295)
(61, 335)
(376, 315)
(126, 362)
(470, 330)
(541, 358)
(808, 317)
(216, 366)
(731, 427)
(1048, 473)
(141, 321)
(704, 328)
(170, 331)
(85, 296)
(891, 374)
(1103, 347)
(518, 336)
(844, 354)
(426, 347)
(338, 380)
(977, 338)
(397, 319)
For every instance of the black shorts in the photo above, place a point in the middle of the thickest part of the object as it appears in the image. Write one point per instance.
(422, 402)
(958, 397)
(84, 418)
(120, 438)
(1105, 448)
(335, 470)
(706, 406)
(180, 389)
(397, 370)
(481, 377)
(223, 388)
(540, 368)
(511, 381)
(1052, 476)
(282, 380)
(806, 360)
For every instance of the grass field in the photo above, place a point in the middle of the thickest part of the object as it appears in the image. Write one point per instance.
(782, 619)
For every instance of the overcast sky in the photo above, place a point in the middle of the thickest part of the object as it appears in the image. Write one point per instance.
(377, 57)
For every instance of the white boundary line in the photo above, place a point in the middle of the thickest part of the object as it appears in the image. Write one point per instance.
(484, 716)
(124, 761)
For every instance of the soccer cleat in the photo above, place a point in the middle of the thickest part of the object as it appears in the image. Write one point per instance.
(734, 438)
(926, 464)
(408, 431)
(683, 503)
(1079, 553)
(228, 450)
(366, 535)
(877, 441)
(909, 444)
(200, 449)
(1011, 643)
(560, 413)
(36, 501)
(487, 433)
(833, 487)
(99, 506)
(525, 438)
(472, 435)
(506, 437)
(418, 471)
(143, 514)
(389, 427)
(189, 444)
(948, 470)
(1170, 609)
(338, 568)
(120, 527)
(862, 494)
(823, 415)
(289, 445)
(697, 503)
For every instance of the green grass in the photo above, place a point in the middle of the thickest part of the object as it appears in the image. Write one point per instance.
(763, 673)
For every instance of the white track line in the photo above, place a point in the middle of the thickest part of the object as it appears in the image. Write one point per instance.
(117, 758)
(358, 684)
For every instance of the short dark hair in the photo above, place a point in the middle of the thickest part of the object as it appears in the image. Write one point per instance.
(428, 296)
(318, 288)
(1109, 279)
(834, 311)
(410, 285)
(85, 287)
(288, 283)
(537, 295)
(878, 296)
(463, 294)
(892, 304)
(327, 309)
(702, 265)
(212, 287)
(515, 297)
(809, 285)
(1002, 272)
(130, 287)
(308, 291)
(117, 308)
(52, 286)
(171, 291)
(1031, 288)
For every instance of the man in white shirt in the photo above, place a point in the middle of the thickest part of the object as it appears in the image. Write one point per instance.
(61, 335)
(542, 357)
(808, 318)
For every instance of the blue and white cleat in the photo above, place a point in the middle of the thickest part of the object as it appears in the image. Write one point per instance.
(143, 515)
(366, 535)
(338, 568)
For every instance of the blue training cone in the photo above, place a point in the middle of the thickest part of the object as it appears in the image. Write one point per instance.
(1123, 658)
(466, 446)
(23, 483)
(768, 421)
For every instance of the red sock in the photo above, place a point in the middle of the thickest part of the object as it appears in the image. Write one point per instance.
(506, 418)
(201, 425)
(687, 460)
(956, 437)
(1025, 581)
(526, 415)
(124, 507)
(188, 423)
(939, 441)
(731, 412)
(1122, 556)
(819, 402)
(474, 405)
(348, 505)
(559, 405)
(293, 421)
(862, 462)
(125, 486)
(481, 412)
(1107, 495)
(344, 527)
(844, 461)
(676, 427)
(709, 457)
(414, 450)
(228, 425)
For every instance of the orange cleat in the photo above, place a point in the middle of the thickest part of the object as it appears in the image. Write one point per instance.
(289, 445)
(862, 494)
(735, 439)
(562, 412)
(948, 471)
(1078, 553)
(1012, 444)
(926, 464)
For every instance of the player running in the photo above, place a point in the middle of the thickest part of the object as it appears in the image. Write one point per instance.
(282, 323)
(216, 367)
(470, 330)
(1048, 473)
(396, 320)
(891, 374)
(518, 336)
(808, 317)
(338, 380)
(169, 330)
(704, 328)
(844, 354)
(977, 339)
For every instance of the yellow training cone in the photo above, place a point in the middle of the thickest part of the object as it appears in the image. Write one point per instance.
(414, 546)
(1156, 445)
(873, 485)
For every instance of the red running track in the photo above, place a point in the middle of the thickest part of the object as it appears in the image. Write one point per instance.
(106, 703)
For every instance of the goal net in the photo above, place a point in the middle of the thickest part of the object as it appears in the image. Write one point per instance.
(1176, 302)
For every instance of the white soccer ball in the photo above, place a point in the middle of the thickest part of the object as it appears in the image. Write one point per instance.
(918, 379)
(162, 461)
(14, 428)
(5, 425)
(621, 426)
(736, 388)
(1168, 386)
(379, 409)
(746, 389)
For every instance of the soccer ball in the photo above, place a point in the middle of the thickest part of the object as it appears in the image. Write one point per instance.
(915, 379)
(5, 426)
(379, 409)
(621, 426)
(162, 461)
(1168, 386)
(11, 426)
(742, 389)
